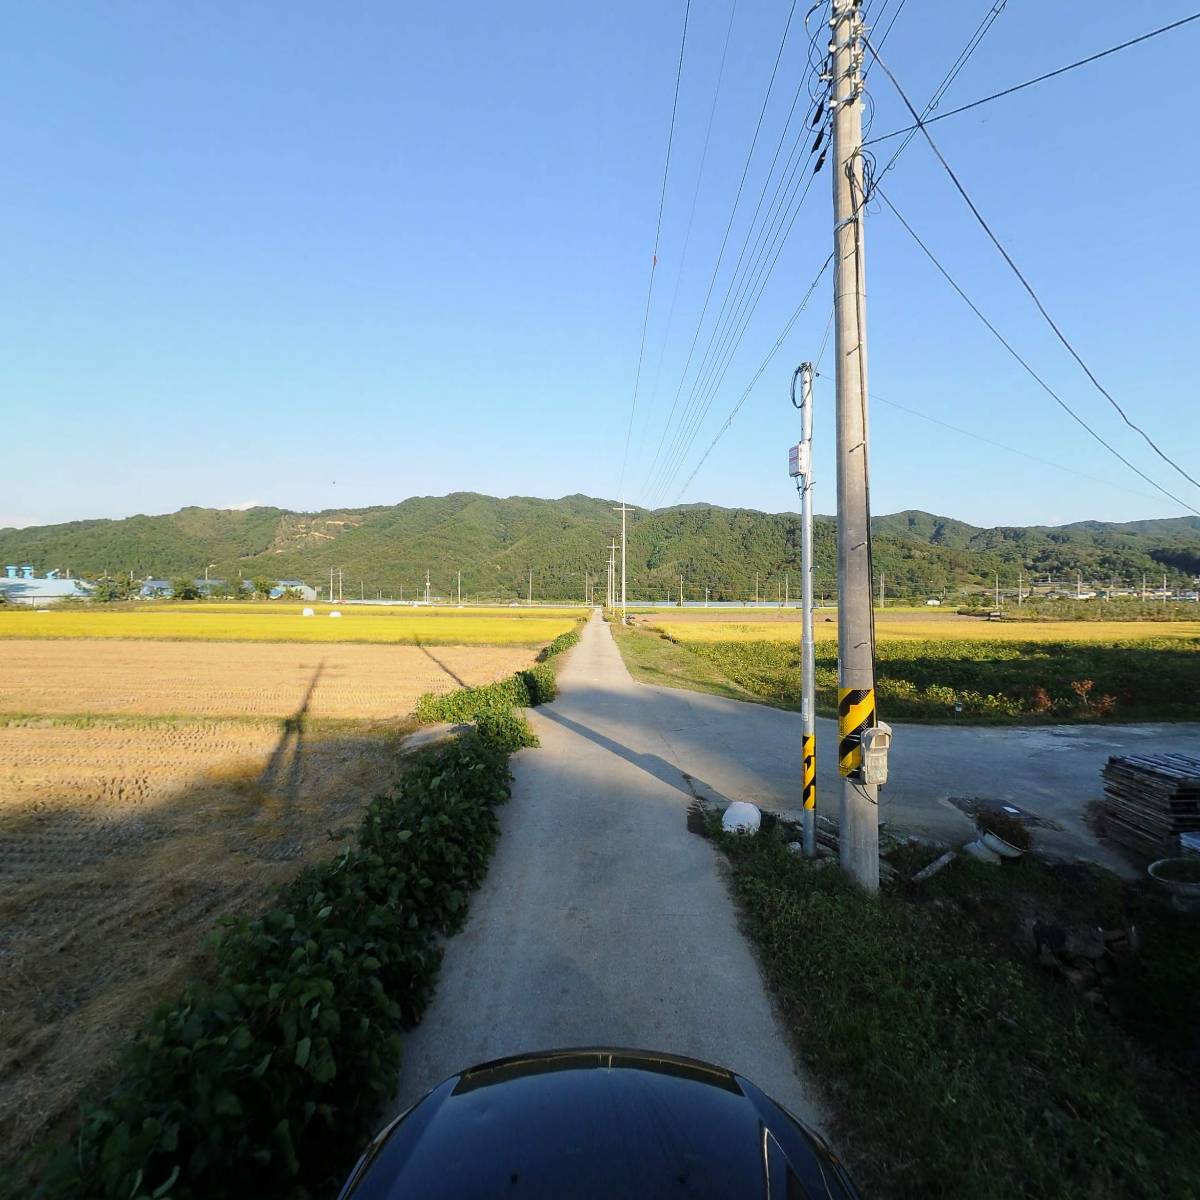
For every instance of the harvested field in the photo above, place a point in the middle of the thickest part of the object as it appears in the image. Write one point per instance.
(148, 788)
(243, 679)
(120, 846)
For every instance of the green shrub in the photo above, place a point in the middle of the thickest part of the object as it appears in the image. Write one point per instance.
(563, 642)
(508, 730)
(274, 1072)
(526, 689)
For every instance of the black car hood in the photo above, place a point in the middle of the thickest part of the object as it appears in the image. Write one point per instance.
(597, 1123)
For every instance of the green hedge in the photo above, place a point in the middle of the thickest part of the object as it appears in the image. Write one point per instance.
(525, 689)
(563, 642)
(266, 1081)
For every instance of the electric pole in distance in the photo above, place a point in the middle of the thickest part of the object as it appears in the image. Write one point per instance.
(859, 824)
(624, 508)
(800, 468)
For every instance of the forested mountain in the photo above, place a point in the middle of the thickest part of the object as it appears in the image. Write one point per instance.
(494, 542)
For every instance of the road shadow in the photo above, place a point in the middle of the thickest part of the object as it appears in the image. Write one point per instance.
(654, 765)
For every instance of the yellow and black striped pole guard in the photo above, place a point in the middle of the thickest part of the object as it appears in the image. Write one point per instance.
(856, 712)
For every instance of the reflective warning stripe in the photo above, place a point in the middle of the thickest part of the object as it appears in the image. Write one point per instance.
(810, 771)
(856, 712)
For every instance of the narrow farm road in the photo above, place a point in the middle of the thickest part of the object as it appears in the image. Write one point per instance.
(602, 919)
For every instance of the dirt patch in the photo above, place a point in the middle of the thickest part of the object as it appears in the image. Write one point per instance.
(239, 679)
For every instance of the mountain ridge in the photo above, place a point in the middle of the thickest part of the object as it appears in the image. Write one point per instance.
(494, 541)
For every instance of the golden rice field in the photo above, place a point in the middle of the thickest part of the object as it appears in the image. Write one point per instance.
(270, 623)
(919, 627)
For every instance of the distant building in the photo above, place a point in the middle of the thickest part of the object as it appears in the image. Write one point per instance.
(293, 585)
(20, 586)
(156, 589)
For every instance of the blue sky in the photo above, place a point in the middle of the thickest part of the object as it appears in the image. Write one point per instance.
(316, 256)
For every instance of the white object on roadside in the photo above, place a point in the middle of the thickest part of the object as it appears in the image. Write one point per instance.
(308, 612)
(741, 817)
(335, 613)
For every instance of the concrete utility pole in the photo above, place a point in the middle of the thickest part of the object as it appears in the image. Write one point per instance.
(1164, 587)
(1143, 587)
(1020, 590)
(997, 591)
(426, 587)
(681, 591)
(859, 826)
(460, 587)
(755, 589)
(706, 597)
(802, 470)
(530, 585)
(881, 592)
(622, 510)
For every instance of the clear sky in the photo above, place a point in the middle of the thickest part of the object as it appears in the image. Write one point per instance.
(317, 255)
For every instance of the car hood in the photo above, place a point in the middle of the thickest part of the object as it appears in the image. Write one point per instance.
(597, 1122)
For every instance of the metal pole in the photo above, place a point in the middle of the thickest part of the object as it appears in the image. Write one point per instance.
(681, 591)
(808, 665)
(859, 825)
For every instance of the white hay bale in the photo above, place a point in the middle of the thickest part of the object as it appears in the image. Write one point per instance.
(308, 612)
(335, 613)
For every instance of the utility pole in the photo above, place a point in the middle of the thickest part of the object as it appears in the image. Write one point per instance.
(755, 589)
(1078, 585)
(802, 470)
(882, 576)
(459, 587)
(1020, 590)
(706, 597)
(530, 585)
(330, 584)
(427, 587)
(681, 591)
(1164, 587)
(623, 510)
(997, 591)
(859, 825)
(785, 589)
(1143, 587)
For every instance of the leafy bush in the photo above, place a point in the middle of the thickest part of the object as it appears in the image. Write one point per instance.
(508, 730)
(274, 1072)
(563, 642)
(525, 689)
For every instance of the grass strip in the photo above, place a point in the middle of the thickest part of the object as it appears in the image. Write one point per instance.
(953, 1069)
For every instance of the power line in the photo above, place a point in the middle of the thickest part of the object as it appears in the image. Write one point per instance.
(712, 112)
(1008, 346)
(734, 288)
(1083, 62)
(657, 235)
(1045, 462)
(973, 43)
(758, 374)
(1024, 282)
(729, 224)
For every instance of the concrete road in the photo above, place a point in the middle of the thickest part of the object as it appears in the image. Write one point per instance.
(602, 920)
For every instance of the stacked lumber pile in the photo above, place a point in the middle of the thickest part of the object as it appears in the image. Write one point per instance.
(1150, 799)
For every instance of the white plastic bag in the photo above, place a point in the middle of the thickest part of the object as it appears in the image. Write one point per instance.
(741, 817)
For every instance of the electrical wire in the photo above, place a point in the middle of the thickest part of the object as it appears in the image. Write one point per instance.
(1083, 62)
(758, 374)
(1036, 377)
(973, 43)
(1025, 282)
(987, 441)
(657, 236)
(729, 224)
(708, 381)
(687, 238)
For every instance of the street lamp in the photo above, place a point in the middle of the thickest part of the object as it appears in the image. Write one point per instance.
(206, 571)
